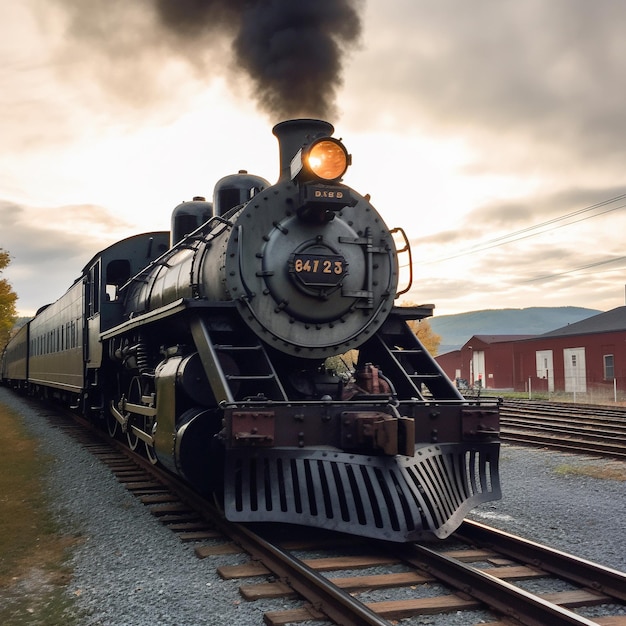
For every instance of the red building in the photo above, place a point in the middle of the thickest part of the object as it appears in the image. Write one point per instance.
(585, 358)
(485, 360)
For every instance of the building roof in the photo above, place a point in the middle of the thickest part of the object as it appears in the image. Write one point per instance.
(611, 321)
(499, 338)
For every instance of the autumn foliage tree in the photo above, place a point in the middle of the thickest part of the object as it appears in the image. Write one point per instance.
(424, 332)
(422, 329)
(8, 298)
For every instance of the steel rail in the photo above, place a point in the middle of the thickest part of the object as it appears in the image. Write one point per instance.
(574, 446)
(563, 428)
(575, 569)
(322, 594)
(606, 410)
(497, 594)
(590, 430)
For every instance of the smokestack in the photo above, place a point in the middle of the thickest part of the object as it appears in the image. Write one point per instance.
(293, 134)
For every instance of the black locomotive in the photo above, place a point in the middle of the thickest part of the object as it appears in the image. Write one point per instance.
(209, 347)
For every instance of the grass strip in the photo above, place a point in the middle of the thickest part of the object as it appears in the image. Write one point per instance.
(33, 551)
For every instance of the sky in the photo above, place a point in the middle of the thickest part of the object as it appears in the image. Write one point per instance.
(492, 131)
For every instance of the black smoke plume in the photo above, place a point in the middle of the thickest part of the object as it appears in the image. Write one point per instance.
(290, 51)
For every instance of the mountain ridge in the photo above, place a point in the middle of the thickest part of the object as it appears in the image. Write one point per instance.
(456, 329)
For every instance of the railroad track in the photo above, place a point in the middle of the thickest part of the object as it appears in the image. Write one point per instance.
(591, 429)
(479, 571)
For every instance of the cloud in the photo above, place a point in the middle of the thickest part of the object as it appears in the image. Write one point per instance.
(543, 74)
(540, 211)
(49, 247)
(474, 124)
(564, 248)
(290, 55)
(532, 220)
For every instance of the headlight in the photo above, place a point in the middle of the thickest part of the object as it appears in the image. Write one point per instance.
(325, 159)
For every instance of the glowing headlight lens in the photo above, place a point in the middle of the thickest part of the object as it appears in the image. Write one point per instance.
(327, 159)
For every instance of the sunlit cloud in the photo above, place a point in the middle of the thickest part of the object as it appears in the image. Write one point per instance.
(484, 129)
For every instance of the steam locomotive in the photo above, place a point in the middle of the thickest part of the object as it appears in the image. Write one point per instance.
(217, 349)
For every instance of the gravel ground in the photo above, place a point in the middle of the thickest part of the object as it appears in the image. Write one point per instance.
(131, 571)
(544, 499)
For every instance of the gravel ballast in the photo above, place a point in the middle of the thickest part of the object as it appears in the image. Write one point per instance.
(128, 569)
(549, 497)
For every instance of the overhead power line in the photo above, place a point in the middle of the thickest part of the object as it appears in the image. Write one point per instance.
(537, 229)
(575, 269)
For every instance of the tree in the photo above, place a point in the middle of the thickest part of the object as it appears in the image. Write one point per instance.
(424, 332)
(8, 298)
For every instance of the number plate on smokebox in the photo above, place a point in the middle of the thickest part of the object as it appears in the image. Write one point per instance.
(317, 270)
